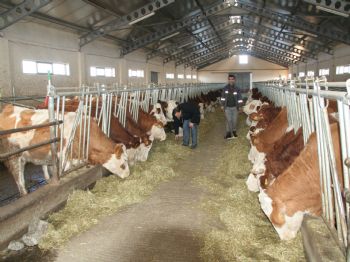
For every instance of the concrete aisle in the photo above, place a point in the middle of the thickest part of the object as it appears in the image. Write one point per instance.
(167, 226)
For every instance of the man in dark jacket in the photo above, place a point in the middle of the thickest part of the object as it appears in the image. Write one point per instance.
(231, 99)
(189, 115)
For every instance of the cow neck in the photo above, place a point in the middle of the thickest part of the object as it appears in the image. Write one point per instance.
(100, 146)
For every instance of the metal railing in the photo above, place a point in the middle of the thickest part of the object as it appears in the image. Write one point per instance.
(108, 101)
(307, 104)
(70, 138)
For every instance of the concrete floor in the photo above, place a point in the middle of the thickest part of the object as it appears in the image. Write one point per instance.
(168, 226)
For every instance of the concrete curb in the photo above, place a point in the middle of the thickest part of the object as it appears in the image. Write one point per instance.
(319, 244)
(15, 217)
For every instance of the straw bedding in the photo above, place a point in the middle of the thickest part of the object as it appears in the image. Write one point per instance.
(247, 235)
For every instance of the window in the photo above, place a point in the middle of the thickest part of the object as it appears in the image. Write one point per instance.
(188, 76)
(102, 71)
(61, 69)
(169, 76)
(136, 73)
(310, 73)
(29, 67)
(180, 76)
(243, 59)
(33, 67)
(301, 74)
(194, 77)
(44, 68)
(344, 69)
(323, 72)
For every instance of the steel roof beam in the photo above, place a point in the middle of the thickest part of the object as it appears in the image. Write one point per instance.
(191, 19)
(201, 54)
(287, 52)
(124, 20)
(212, 61)
(342, 7)
(281, 46)
(205, 36)
(208, 19)
(284, 37)
(213, 42)
(264, 53)
(198, 61)
(260, 55)
(20, 11)
(279, 20)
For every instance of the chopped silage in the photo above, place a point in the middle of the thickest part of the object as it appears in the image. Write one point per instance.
(248, 234)
(85, 208)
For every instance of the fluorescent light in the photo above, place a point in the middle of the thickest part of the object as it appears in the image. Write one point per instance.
(169, 36)
(141, 18)
(189, 43)
(331, 11)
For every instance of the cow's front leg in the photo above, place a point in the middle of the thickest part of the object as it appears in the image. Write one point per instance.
(19, 177)
(46, 172)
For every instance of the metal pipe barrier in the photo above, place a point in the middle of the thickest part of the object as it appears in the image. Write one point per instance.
(100, 102)
(307, 104)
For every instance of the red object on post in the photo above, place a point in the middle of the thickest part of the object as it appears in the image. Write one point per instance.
(46, 102)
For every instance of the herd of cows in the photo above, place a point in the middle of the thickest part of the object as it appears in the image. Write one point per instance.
(123, 148)
(285, 171)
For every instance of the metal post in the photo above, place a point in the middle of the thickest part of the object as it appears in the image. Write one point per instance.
(51, 109)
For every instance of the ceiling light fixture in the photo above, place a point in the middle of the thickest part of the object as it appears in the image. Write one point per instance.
(169, 36)
(331, 11)
(141, 18)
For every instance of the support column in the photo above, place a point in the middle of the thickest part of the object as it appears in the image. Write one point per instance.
(81, 69)
(5, 68)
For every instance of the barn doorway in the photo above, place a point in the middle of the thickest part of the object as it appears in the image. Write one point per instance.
(154, 77)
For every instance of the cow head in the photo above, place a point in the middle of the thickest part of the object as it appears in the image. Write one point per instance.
(158, 132)
(157, 112)
(118, 162)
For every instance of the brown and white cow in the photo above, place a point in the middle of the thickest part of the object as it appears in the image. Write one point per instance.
(151, 125)
(146, 139)
(297, 190)
(158, 113)
(102, 150)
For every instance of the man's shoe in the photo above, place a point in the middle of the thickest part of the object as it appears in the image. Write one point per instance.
(193, 146)
(184, 145)
(228, 135)
(234, 134)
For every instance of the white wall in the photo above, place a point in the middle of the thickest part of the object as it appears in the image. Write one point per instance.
(260, 69)
(33, 41)
(341, 56)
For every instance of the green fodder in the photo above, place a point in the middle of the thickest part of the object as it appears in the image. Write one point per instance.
(85, 208)
(248, 234)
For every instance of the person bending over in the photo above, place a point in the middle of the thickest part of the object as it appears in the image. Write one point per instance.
(188, 114)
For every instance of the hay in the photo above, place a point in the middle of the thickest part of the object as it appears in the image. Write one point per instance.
(85, 208)
(248, 234)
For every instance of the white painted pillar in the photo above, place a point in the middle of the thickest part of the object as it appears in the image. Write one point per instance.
(6, 80)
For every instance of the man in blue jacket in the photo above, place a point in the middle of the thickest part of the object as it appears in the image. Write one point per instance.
(190, 116)
(231, 99)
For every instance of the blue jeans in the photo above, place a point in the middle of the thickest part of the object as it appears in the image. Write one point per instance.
(187, 130)
(231, 114)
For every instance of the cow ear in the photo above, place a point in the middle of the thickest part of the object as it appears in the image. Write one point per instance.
(158, 110)
(118, 150)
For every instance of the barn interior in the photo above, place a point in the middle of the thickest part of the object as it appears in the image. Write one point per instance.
(92, 167)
